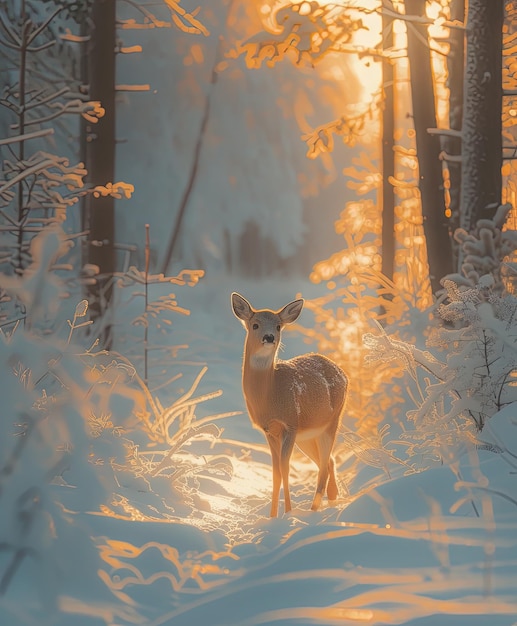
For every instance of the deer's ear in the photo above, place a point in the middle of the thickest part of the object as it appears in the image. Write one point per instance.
(241, 307)
(291, 311)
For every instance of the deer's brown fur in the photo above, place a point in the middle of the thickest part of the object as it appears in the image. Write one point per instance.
(296, 401)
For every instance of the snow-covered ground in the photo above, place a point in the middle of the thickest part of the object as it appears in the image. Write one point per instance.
(109, 517)
(195, 545)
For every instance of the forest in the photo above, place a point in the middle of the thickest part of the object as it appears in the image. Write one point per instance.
(157, 159)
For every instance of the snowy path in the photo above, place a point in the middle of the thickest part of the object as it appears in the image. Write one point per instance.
(196, 546)
(411, 551)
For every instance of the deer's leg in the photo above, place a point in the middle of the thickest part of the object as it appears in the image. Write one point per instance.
(332, 488)
(285, 458)
(274, 446)
(324, 442)
(310, 448)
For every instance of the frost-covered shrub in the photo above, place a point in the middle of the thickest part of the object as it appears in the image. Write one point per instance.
(68, 418)
(43, 435)
(48, 402)
(485, 250)
(360, 295)
(470, 373)
(340, 320)
(155, 311)
(80, 431)
(470, 377)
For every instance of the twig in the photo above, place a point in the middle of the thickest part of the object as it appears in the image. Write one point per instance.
(146, 296)
(195, 162)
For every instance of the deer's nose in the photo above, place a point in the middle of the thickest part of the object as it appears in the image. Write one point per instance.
(268, 339)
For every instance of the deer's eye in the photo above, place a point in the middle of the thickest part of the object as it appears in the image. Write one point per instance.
(255, 326)
(278, 327)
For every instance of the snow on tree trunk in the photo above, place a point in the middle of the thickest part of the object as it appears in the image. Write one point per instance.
(481, 132)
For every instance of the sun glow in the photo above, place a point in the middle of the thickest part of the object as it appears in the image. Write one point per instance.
(343, 43)
(363, 51)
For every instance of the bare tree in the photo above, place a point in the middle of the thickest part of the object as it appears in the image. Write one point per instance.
(38, 188)
(388, 153)
(100, 153)
(430, 182)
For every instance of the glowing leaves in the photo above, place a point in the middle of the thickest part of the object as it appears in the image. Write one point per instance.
(92, 111)
(185, 277)
(258, 49)
(359, 223)
(355, 258)
(364, 178)
(321, 139)
(187, 22)
(359, 218)
(115, 190)
(308, 30)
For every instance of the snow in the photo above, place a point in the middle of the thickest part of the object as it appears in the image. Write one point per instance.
(197, 547)
(121, 505)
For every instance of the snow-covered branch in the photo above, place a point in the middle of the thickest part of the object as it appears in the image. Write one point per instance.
(420, 19)
(448, 132)
(26, 136)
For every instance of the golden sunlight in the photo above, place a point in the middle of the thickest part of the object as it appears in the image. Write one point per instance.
(343, 43)
(366, 41)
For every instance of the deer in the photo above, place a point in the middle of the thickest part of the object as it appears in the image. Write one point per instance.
(298, 401)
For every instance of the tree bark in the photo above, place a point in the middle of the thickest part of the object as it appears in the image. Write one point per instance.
(436, 223)
(452, 145)
(388, 154)
(100, 154)
(482, 112)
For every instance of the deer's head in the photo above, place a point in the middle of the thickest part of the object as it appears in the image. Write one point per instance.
(264, 328)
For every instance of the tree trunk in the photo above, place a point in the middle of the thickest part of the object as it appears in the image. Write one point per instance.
(482, 111)
(452, 145)
(388, 154)
(436, 223)
(100, 155)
